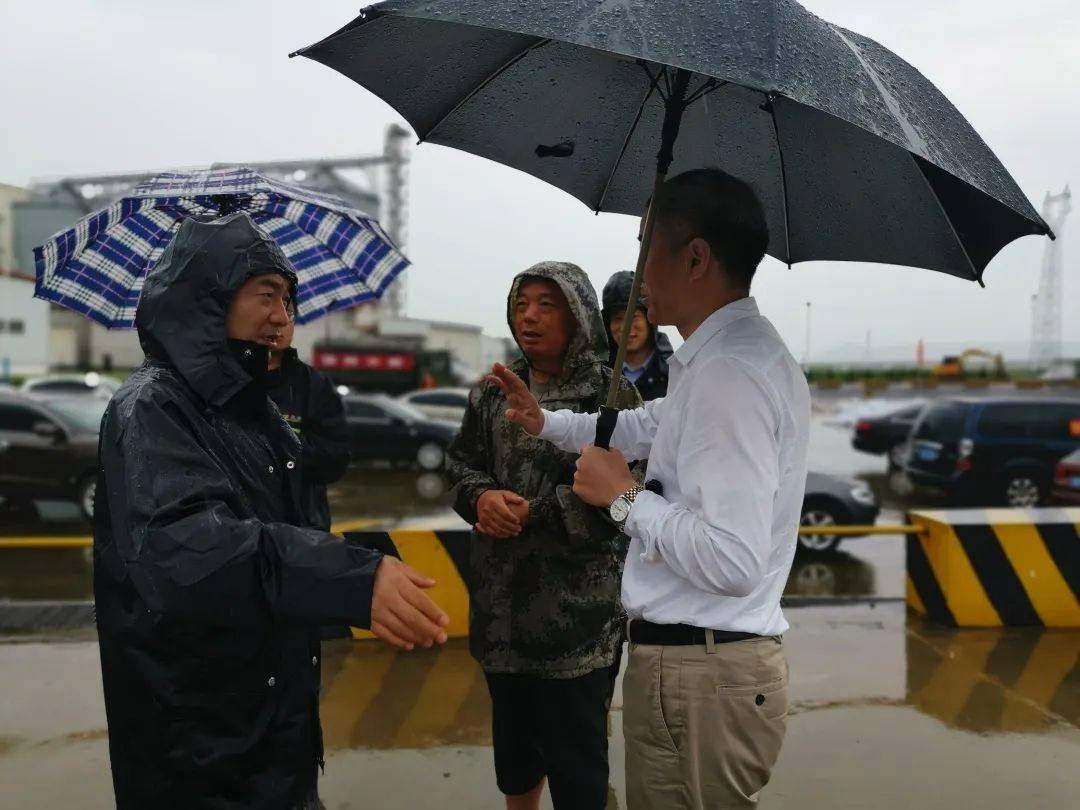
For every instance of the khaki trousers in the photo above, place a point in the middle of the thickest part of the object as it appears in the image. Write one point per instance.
(703, 725)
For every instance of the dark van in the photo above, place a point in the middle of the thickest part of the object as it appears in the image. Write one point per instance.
(992, 452)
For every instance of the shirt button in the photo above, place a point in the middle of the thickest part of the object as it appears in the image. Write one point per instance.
(247, 352)
(290, 464)
(270, 468)
(314, 660)
(271, 681)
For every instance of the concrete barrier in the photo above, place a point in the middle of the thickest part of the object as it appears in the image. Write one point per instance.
(441, 555)
(995, 567)
(444, 556)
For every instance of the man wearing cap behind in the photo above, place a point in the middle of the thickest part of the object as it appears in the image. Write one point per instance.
(647, 350)
(705, 693)
(210, 584)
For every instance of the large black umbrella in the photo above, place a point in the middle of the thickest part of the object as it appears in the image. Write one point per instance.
(855, 155)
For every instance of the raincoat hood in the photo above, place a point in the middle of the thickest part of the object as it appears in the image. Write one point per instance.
(588, 344)
(181, 314)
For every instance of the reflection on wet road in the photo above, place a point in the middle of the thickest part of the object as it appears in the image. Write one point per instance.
(837, 574)
(982, 681)
(374, 697)
(1007, 680)
(886, 712)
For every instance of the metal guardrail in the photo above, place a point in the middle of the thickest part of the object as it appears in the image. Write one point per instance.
(859, 531)
(88, 542)
(46, 542)
(804, 531)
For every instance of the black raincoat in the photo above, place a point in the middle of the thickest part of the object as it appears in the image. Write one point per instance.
(314, 410)
(210, 587)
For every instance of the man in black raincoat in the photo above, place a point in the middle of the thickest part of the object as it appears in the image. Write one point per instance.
(313, 409)
(210, 585)
(648, 348)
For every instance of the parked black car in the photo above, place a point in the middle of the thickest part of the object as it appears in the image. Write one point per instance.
(48, 449)
(834, 501)
(887, 434)
(994, 451)
(1067, 479)
(384, 429)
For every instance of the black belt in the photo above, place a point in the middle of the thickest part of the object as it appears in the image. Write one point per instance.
(679, 635)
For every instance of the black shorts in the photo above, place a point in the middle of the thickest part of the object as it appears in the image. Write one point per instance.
(555, 728)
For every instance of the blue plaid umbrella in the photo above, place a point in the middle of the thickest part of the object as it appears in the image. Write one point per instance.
(97, 267)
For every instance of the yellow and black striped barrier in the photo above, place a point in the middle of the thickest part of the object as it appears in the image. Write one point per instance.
(994, 567)
(441, 555)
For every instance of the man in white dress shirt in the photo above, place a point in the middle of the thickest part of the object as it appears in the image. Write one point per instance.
(705, 692)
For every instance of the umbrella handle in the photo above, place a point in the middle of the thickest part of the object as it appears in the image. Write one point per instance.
(606, 420)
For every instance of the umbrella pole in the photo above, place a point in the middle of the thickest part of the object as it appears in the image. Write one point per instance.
(674, 106)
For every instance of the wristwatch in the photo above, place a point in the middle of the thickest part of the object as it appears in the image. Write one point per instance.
(620, 507)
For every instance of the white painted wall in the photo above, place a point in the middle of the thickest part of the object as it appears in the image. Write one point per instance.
(24, 329)
(8, 196)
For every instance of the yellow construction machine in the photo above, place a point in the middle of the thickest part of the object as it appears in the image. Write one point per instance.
(962, 365)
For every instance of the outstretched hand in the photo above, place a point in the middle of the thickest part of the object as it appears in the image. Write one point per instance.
(523, 408)
(401, 613)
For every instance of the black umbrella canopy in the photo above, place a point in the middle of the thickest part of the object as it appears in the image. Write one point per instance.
(855, 155)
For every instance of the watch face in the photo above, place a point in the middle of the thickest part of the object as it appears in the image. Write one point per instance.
(620, 510)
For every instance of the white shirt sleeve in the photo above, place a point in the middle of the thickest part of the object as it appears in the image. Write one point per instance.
(633, 434)
(720, 536)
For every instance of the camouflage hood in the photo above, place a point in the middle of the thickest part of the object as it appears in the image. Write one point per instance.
(547, 602)
(589, 344)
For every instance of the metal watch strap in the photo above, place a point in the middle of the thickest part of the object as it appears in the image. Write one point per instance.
(629, 496)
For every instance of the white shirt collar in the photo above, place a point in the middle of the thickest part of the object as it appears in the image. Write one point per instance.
(727, 314)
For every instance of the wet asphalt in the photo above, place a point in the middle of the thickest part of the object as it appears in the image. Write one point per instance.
(887, 710)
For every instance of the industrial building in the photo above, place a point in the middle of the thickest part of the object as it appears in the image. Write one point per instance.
(24, 321)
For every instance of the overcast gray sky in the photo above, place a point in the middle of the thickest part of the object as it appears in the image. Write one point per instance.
(118, 85)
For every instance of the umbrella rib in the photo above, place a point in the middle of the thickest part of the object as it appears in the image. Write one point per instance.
(626, 141)
(783, 178)
(341, 259)
(107, 232)
(540, 43)
(975, 275)
(711, 86)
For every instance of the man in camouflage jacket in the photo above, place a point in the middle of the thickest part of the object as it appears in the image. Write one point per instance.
(545, 568)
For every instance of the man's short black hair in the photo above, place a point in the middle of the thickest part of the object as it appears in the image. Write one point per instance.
(722, 210)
